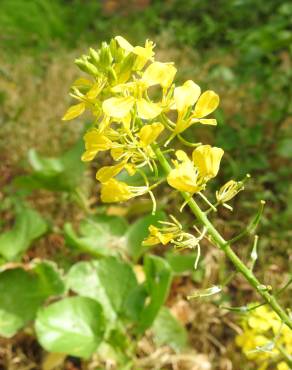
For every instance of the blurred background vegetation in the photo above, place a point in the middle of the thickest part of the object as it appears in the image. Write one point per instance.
(239, 48)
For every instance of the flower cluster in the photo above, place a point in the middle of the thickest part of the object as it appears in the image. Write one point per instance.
(264, 338)
(130, 125)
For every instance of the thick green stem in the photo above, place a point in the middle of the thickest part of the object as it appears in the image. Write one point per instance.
(225, 247)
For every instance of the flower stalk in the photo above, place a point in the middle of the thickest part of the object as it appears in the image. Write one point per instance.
(225, 246)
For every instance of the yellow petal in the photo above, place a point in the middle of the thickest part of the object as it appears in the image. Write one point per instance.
(130, 168)
(149, 133)
(186, 95)
(150, 241)
(207, 160)
(282, 366)
(147, 110)
(208, 121)
(184, 178)
(74, 111)
(94, 91)
(95, 142)
(143, 54)
(105, 173)
(203, 121)
(118, 107)
(159, 73)
(88, 155)
(182, 156)
(116, 153)
(115, 191)
(206, 104)
(81, 83)
(124, 44)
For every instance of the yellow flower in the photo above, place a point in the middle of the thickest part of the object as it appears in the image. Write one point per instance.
(118, 191)
(157, 237)
(74, 111)
(282, 366)
(206, 104)
(186, 95)
(207, 160)
(159, 74)
(149, 133)
(249, 341)
(191, 176)
(143, 53)
(94, 143)
(262, 332)
(120, 107)
(184, 177)
(115, 191)
(105, 173)
(228, 191)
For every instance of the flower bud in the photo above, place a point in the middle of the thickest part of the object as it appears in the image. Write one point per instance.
(86, 66)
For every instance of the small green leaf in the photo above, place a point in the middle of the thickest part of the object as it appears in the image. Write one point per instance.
(74, 326)
(181, 263)
(28, 226)
(108, 280)
(168, 330)
(138, 231)
(63, 173)
(23, 291)
(284, 148)
(158, 279)
(100, 235)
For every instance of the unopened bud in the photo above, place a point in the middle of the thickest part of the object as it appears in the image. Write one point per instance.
(86, 66)
(105, 55)
(94, 57)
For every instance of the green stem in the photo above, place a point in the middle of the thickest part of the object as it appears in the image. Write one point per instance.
(286, 355)
(226, 248)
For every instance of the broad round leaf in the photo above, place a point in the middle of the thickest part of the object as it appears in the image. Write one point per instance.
(29, 225)
(108, 280)
(22, 293)
(74, 326)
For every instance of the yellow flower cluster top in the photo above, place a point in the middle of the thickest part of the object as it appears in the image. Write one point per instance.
(127, 123)
(264, 339)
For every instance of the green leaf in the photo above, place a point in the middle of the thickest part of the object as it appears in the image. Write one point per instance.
(108, 280)
(63, 173)
(181, 263)
(138, 231)
(74, 326)
(284, 148)
(28, 226)
(100, 235)
(168, 330)
(23, 291)
(158, 280)
(184, 264)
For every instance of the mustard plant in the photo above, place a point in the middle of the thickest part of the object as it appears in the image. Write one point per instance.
(138, 132)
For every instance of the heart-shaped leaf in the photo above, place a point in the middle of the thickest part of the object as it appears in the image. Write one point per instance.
(99, 235)
(63, 173)
(74, 326)
(28, 226)
(23, 291)
(108, 280)
(168, 330)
